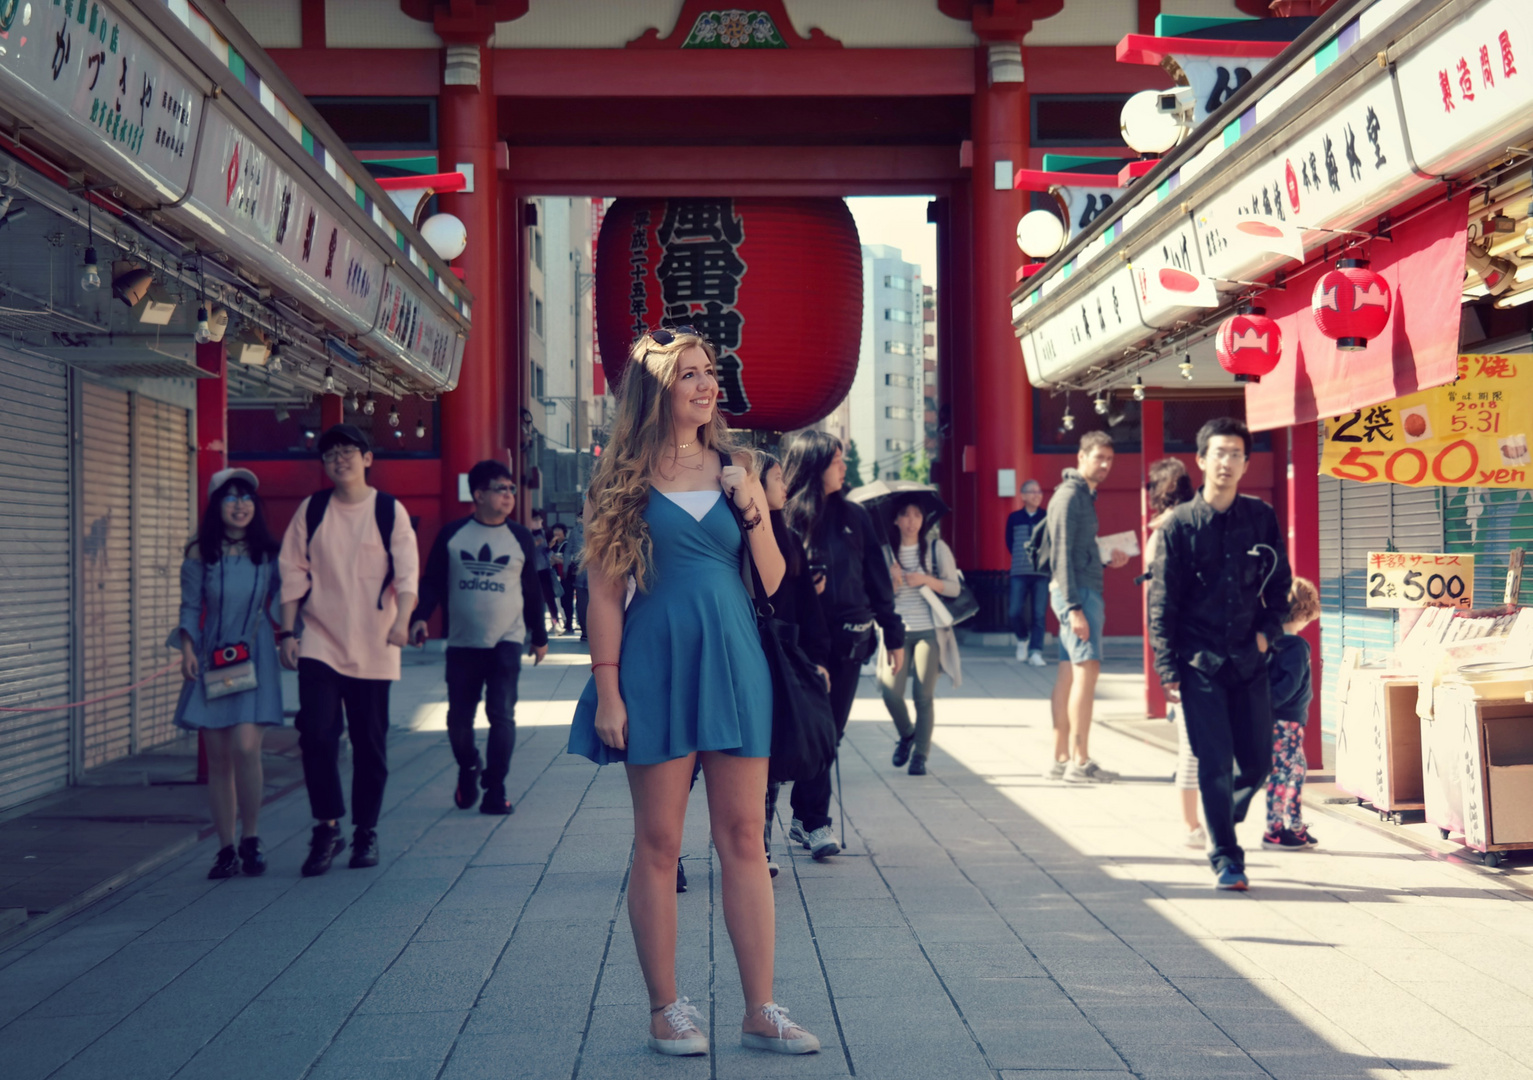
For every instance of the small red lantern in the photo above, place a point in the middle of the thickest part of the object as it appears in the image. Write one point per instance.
(1351, 304)
(1249, 343)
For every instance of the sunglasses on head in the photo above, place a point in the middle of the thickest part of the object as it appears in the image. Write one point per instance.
(667, 334)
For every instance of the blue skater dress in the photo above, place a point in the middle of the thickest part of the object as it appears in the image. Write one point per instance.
(224, 603)
(692, 672)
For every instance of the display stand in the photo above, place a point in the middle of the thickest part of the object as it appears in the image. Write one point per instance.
(1478, 769)
(1378, 745)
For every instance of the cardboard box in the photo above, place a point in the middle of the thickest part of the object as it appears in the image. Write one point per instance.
(1378, 744)
(1509, 765)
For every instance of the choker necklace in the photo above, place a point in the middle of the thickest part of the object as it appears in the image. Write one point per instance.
(683, 446)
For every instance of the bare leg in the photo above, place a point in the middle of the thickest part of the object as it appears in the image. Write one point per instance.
(659, 795)
(249, 782)
(1083, 688)
(220, 782)
(736, 792)
(1190, 808)
(1059, 705)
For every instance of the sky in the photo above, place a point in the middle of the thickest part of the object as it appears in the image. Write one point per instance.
(899, 221)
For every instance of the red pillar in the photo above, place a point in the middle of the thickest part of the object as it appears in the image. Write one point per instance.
(470, 426)
(1002, 400)
(1152, 421)
(1303, 517)
(332, 411)
(212, 450)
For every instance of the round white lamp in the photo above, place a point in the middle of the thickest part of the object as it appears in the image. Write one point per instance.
(446, 234)
(1145, 128)
(1040, 234)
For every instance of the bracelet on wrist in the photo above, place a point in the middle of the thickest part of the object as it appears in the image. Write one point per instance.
(283, 635)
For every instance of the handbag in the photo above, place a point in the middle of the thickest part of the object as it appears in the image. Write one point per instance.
(230, 667)
(963, 606)
(803, 726)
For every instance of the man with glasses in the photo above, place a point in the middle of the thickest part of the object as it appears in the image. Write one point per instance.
(1218, 599)
(483, 571)
(349, 563)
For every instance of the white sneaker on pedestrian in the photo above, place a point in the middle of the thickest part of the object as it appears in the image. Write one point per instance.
(796, 833)
(1088, 772)
(1035, 658)
(1197, 838)
(1055, 771)
(1021, 650)
(822, 843)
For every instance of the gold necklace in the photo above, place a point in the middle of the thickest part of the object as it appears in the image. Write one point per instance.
(683, 446)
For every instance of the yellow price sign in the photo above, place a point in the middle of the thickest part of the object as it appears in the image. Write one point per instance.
(1404, 579)
(1473, 432)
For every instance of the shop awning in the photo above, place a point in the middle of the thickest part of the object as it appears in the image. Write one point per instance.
(1423, 262)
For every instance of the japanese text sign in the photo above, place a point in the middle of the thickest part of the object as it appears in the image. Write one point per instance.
(1401, 579)
(1473, 432)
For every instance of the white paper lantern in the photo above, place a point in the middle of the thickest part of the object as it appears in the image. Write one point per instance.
(446, 234)
(1040, 234)
(1145, 128)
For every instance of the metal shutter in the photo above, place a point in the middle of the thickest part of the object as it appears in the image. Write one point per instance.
(162, 522)
(1490, 522)
(35, 578)
(1354, 520)
(106, 571)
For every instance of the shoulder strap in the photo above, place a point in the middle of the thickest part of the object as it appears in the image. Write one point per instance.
(748, 572)
(383, 513)
(314, 513)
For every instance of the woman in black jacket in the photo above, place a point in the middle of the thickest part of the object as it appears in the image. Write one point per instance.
(842, 540)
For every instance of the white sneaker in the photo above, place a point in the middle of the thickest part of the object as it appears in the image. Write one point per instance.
(1035, 658)
(796, 833)
(1197, 838)
(822, 843)
(1055, 771)
(686, 1038)
(1021, 650)
(1088, 773)
(772, 867)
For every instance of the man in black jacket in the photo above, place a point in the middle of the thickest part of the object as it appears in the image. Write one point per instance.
(1218, 599)
(483, 569)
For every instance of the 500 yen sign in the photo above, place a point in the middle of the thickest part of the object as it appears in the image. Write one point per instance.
(1401, 579)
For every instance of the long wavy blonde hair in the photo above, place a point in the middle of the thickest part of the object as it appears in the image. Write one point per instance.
(617, 540)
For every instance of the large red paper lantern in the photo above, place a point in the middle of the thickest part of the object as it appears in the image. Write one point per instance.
(775, 284)
(1351, 304)
(1249, 343)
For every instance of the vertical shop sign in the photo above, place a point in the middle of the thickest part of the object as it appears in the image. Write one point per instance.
(1472, 433)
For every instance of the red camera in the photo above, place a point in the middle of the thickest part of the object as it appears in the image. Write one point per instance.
(228, 655)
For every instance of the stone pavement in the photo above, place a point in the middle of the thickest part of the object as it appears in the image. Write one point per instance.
(985, 923)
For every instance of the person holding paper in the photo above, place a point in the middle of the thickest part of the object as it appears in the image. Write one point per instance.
(1218, 599)
(1075, 590)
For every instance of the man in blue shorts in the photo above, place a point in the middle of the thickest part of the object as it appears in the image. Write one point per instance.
(1075, 592)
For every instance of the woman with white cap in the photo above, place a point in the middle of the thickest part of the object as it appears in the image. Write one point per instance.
(229, 581)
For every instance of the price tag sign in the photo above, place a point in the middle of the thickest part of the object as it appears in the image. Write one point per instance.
(1402, 579)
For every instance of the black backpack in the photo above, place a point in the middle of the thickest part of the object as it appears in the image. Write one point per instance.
(1039, 550)
(383, 513)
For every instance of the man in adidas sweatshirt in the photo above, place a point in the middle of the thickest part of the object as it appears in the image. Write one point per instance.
(483, 572)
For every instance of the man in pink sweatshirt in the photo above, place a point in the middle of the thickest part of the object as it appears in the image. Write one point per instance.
(349, 564)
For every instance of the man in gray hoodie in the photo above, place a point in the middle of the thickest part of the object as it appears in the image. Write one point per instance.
(1075, 592)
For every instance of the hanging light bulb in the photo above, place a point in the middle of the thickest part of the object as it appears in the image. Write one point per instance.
(1067, 422)
(203, 334)
(330, 387)
(274, 358)
(1100, 404)
(354, 402)
(282, 414)
(1185, 367)
(420, 429)
(1138, 388)
(394, 415)
(90, 281)
(369, 406)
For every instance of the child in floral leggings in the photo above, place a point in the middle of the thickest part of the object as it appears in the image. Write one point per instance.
(1289, 670)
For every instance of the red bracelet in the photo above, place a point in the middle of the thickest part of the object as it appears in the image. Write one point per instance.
(603, 663)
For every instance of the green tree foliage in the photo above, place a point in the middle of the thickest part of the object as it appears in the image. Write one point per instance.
(853, 465)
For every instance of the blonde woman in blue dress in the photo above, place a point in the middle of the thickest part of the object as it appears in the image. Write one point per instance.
(678, 673)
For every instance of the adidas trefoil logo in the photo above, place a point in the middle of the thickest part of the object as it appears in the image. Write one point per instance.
(482, 568)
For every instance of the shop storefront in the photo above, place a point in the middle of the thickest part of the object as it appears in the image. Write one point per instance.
(178, 230)
(1388, 132)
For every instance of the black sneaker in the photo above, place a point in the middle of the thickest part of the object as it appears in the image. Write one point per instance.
(902, 750)
(1284, 840)
(364, 848)
(495, 802)
(225, 864)
(253, 858)
(324, 846)
(917, 764)
(681, 878)
(468, 787)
